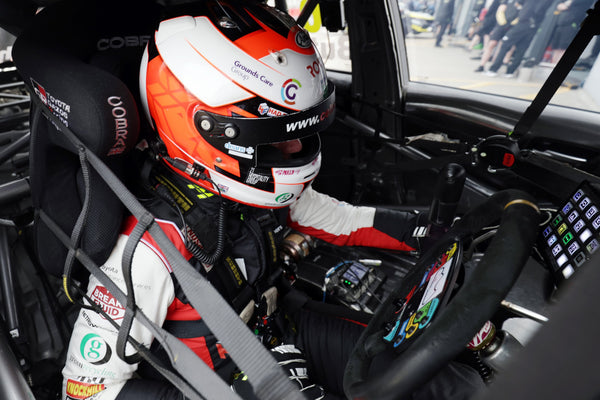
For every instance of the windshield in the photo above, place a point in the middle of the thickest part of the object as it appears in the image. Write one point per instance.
(504, 47)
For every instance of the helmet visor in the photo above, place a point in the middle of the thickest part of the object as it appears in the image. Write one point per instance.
(251, 132)
(289, 153)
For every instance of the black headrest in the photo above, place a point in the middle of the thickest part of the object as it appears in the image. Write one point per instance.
(80, 62)
(15, 14)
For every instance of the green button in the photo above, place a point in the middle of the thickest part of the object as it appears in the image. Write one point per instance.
(567, 238)
(556, 221)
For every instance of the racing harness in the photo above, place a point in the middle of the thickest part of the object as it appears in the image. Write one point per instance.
(269, 380)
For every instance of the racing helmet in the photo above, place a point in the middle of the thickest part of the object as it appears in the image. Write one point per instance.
(238, 92)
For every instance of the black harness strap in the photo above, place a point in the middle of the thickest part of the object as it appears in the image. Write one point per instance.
(134, 238)
(79, 224)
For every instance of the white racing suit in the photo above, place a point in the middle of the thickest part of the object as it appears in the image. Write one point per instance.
(94, 371)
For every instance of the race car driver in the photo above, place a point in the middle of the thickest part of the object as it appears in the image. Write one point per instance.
(237, 94)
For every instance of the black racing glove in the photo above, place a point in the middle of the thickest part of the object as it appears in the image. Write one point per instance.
(293, 362)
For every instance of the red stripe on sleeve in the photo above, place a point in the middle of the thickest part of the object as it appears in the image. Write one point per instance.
(370, 237)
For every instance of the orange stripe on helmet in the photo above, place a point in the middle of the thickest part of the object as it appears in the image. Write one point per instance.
(254, 43)
(173, 108)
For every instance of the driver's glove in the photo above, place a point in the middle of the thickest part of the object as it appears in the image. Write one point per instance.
(293, 363)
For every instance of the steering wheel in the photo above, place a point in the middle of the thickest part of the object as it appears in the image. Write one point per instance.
(443, 332)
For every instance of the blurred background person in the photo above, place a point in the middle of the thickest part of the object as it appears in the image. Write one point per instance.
(481, 36)
(519, 37)
(505, 16)
(570, 15)
(444, 16)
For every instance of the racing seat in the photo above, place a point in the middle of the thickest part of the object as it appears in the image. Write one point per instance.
(80, 62)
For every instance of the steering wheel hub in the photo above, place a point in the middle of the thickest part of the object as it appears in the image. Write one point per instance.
(429, 293)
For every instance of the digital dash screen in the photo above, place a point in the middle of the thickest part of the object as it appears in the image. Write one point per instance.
(572, 235)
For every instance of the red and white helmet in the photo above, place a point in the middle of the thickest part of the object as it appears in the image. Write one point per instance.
(228, 89)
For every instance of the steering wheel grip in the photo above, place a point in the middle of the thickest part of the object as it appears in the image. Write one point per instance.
(466, 313)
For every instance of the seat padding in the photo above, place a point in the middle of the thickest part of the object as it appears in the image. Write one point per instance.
(76, 61)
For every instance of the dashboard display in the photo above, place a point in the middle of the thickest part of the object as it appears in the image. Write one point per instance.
(573, 234)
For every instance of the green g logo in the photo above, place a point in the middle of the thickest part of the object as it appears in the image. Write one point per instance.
(94, 349)
(282, 198)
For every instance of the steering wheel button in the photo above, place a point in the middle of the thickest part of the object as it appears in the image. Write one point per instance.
(573, 248)
(591, 212)
(392, 332)
(398, 304)
(596, 223)
(562, 260)
(556, 250)
(562, 228)
(573, 216)
(585, 235)
(568, 271)
(567, 208)
(592, 246)
(579, 258)
(584, 203)
(557, 220)
(567, 238)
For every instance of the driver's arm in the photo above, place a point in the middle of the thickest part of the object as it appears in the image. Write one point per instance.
(343, 224)
(92, 365)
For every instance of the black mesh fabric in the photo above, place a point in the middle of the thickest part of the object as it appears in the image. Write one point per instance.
(75, 58)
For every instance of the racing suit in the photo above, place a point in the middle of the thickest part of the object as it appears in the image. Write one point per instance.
(92, 368)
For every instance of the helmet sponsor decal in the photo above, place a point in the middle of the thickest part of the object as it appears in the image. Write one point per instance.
(107, 301)
(289, 90)
(254, 178)
(246, 72)
(264, 109)
(314, 69)
(287, 172)
(83, 390)
(282, 198)
(239, 151)
(295, 125)
(223, 188)
(94, 349)
(310, 121)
